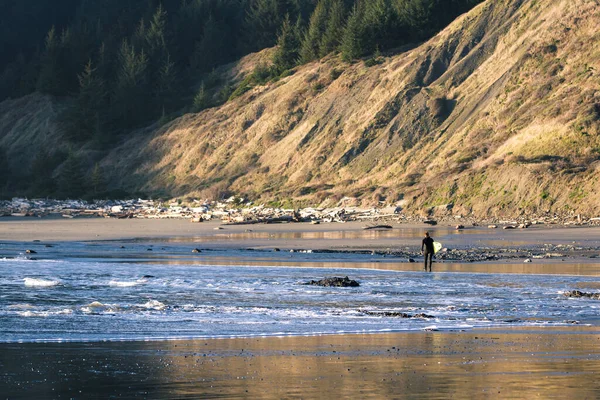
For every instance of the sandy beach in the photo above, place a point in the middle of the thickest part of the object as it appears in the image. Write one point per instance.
(425, 365)
(351, 235)
(543, 362)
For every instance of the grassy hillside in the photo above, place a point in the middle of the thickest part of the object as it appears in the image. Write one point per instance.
(498, 115)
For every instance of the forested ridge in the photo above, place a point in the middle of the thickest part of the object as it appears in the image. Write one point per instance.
(120, 65)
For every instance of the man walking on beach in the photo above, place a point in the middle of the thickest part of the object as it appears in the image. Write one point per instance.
(427, 249)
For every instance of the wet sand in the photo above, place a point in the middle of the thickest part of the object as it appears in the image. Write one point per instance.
(524, 364)
(303, 235)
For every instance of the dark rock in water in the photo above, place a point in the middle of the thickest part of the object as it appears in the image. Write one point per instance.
(196, 251)
(378, 227)
(396, 314)
(36, 241)
(148, 276)
(430, 222)
(29, 251)
(578, 294)
(460, 227)
(276, 249)
(411, 260)
(48, 246)
(334, 282)
(122, 247)
(148, 249)
(423, 315)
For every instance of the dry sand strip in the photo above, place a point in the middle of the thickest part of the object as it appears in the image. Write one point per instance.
(557, 363)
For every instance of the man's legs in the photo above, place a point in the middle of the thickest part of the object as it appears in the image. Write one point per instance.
(428, 258)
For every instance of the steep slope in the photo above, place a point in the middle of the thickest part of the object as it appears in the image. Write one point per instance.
(498, 114)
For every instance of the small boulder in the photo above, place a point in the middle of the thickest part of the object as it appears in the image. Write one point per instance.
(460, 227)
(578, 294)
(492, 226)
(196, 251)
(334, 282)
(29, 251)
(430, 222)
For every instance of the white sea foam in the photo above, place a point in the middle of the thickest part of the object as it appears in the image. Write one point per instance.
(30, 313)
(36, 282)
(154, 305)
(96, 307)
(127, 283)
(20, 307)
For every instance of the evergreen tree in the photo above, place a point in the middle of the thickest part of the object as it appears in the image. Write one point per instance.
(352, 46)
(48, 80)
(264, 19)
(335, 28)
(131, 87)
(72, 182)
(42, 168)
(288, 46)
(201, 100)
(97, 181)
(316, 28)
(381, 26)
(416, 16)
(211, 49)
(83, 118)
(164, 89)
(5, 172)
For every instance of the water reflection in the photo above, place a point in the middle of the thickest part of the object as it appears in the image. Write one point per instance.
(416, 365)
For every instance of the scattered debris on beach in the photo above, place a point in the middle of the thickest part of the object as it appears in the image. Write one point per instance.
(239, 211)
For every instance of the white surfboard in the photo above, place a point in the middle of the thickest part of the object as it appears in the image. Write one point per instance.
(437, 246)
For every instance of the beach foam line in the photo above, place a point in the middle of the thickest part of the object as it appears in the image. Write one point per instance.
(36, 282)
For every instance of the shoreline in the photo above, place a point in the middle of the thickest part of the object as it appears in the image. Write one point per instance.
(538, 244)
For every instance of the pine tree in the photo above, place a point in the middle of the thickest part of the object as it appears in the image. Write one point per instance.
(288, 46)
(42, 168)
(314, 33)
(335, 28)
(5, 173)
(131, 90)
(210, 52)
(352, 45)
(83, 117)
(416, 16)
(48, 80)
(263, 21)
(379, 21)
(201, 100)
(97, 181)
(72, 183)
(156, 32)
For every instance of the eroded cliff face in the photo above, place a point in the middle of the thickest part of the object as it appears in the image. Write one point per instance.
(497, 115)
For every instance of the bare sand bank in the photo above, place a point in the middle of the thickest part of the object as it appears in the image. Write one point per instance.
(348, 234)
(523, 364)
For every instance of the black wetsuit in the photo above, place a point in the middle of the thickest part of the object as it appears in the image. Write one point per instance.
(427, 247)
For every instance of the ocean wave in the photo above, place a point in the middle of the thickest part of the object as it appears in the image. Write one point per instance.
(36, 282)
(30, 313)
(115, 283)
(96, 307)
(154, 305)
